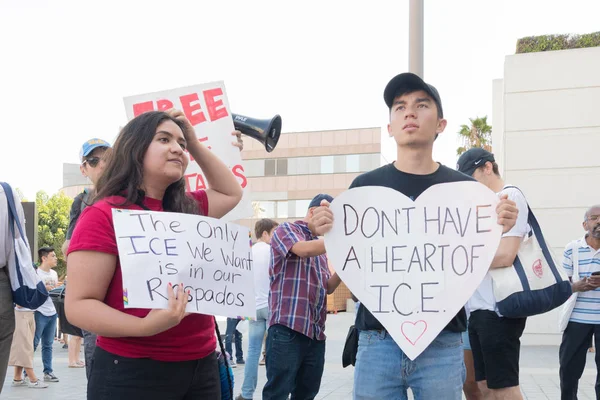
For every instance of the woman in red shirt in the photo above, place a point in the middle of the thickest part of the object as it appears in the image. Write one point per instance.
(140, 353)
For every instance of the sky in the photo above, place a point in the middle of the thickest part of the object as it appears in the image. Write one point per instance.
(321, 65)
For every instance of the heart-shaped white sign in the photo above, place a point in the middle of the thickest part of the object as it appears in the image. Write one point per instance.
(414, 264)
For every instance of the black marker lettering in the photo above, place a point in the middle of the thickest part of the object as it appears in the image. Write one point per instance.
(395, 295)
(427, 256)
(394, 259)
(423, 298)
(385, 262)
(484, 217)
(432, 219)
(355, 258)
(380, 311)
(466, 260)
(153, 289)
(346, 220)
(362, 223)
(463, 228)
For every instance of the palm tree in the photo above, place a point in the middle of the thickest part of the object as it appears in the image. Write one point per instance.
(479, 134)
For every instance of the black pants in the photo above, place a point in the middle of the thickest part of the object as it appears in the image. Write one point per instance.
(573, 352)
(114, 378)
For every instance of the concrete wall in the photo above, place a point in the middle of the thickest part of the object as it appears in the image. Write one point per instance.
(546, 122)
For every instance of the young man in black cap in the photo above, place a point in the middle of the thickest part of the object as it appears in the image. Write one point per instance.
(495, 340)
(300, 282)
(382, 370)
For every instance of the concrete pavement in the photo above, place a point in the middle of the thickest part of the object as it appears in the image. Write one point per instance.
(539, 372)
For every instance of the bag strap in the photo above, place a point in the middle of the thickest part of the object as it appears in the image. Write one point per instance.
(13, 217)
(537, 231)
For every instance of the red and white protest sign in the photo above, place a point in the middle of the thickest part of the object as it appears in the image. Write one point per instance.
(207, 109)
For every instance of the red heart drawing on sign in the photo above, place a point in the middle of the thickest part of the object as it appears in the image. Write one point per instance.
(413, 331)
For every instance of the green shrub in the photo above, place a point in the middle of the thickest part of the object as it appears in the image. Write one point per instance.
(534, 44)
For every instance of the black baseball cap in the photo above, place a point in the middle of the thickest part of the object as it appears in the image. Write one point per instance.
(472, 159)
(409, 82)
(316, 201)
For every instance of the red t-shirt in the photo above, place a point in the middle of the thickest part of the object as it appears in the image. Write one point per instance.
(192, 339)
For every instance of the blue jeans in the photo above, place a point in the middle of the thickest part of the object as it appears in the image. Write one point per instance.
(232, 324)
(294, 365)
(256, 334)
(383, 371)
(45, 329)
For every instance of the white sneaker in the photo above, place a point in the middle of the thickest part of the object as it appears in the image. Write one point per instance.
(37, 385)
(18, 383)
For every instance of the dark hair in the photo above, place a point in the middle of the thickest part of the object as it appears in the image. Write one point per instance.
(44, 251)
(264, 225)
(124, 172)
(402, 91)
(495, 169)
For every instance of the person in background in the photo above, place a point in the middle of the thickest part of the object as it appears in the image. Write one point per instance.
(7, 314)
(232, 334)
(300, 282)
(46, 316)
(92, 154)
(21, 351)
(495, 340)
(261, 257)
(584, 322)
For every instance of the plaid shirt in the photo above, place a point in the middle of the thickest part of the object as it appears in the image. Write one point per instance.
(298, 295)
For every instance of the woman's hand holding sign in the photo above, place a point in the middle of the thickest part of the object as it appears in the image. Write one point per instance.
(160, 320)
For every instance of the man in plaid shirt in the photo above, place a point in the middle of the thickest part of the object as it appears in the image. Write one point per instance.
(300, 283)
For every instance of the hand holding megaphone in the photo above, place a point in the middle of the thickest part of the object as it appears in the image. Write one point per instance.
(264, 130)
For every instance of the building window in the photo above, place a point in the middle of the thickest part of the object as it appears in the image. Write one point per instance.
(282, 167)
(327, 165)
(302, 166)
(270, 167)
(314, 165)
(301, 208)
(282, 209)
(264, 209)
(254, 168)
(339, 164)
(352, 163)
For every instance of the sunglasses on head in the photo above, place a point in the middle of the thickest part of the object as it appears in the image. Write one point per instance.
(92, 161)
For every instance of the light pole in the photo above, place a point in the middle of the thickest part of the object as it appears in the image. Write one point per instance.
(415, 37)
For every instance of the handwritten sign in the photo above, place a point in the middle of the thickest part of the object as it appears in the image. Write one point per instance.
(207, 108)
(210, 257)
(414, 264)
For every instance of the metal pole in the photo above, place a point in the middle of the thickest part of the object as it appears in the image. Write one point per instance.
(415, 37)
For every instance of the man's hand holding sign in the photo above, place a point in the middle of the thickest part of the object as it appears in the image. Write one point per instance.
(414, 264)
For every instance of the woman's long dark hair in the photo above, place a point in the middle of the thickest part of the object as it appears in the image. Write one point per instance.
(124, 172)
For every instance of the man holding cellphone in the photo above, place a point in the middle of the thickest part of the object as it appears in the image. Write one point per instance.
(584, 254)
